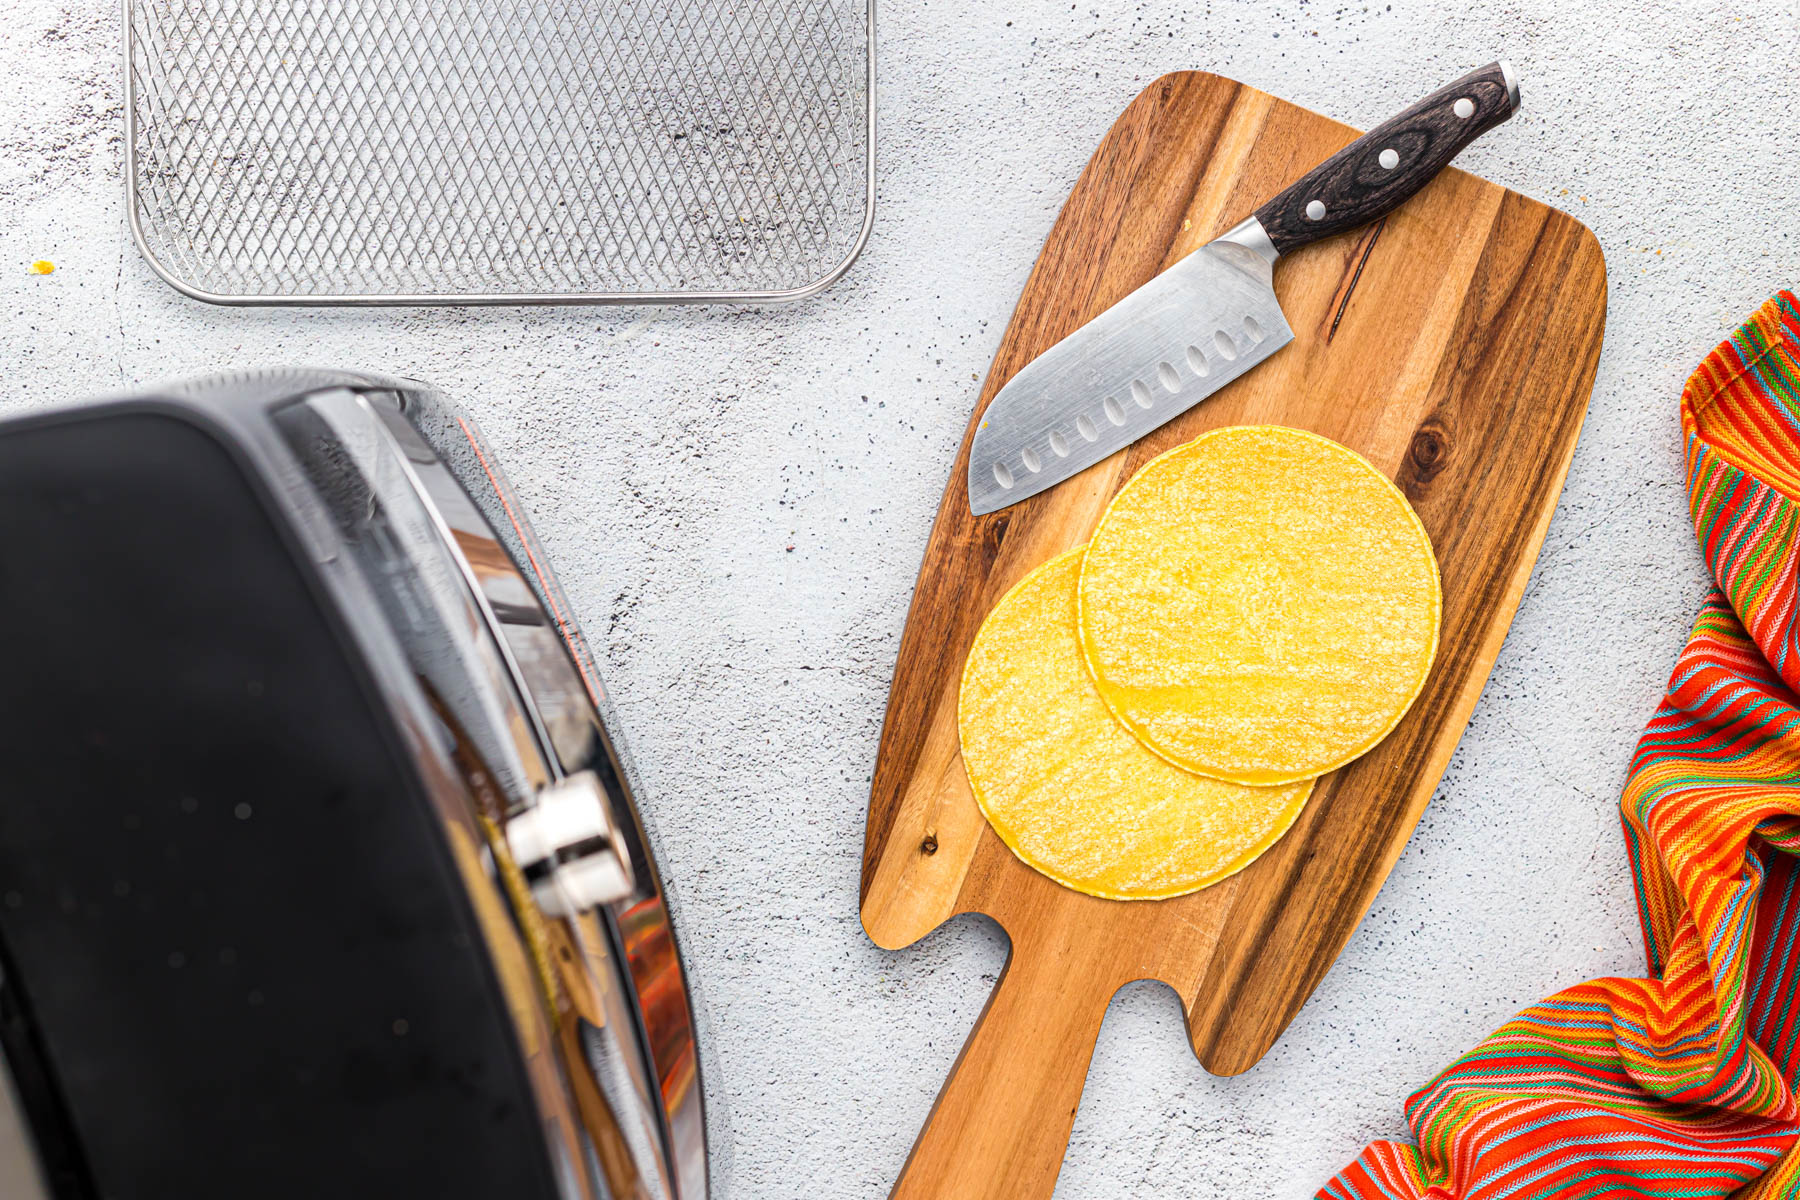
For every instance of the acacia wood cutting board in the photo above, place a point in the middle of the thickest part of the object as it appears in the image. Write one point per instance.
(1454, 345)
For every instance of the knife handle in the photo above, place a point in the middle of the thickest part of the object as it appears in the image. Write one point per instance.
(1386, 166)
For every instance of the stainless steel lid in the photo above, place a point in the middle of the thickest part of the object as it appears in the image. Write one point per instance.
(480, 856)
(511, 698)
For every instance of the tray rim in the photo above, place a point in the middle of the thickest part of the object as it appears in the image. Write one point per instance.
(748, 296)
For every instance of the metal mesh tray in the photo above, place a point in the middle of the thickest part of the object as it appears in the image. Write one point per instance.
(499, 151)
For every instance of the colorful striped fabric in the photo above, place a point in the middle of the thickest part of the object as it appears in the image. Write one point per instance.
(1680, 1084)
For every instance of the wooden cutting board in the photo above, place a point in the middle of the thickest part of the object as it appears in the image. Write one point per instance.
(1454, 345)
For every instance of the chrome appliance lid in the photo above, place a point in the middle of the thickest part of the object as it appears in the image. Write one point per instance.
(413, 540)
(419, 499)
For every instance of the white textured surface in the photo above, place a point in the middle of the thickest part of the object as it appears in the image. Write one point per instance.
(737, 502)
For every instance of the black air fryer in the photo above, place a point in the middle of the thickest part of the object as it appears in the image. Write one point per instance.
(320, 874)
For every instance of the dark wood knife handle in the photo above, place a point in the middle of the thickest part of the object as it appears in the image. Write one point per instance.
(1387, 166)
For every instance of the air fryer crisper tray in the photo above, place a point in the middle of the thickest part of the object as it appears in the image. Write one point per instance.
(499, 151)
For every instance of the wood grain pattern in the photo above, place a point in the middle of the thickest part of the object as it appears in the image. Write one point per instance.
(1454, 344)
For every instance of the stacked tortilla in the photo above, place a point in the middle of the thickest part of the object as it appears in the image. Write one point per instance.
(1145, 715)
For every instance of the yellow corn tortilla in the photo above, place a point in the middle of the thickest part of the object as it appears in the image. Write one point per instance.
(1260, 605)
(1068, 789)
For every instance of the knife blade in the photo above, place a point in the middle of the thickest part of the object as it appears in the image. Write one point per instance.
(1214, 315)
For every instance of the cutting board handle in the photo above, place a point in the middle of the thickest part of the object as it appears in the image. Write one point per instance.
(1002, 1122)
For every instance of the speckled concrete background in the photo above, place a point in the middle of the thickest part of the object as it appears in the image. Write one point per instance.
(738, 500)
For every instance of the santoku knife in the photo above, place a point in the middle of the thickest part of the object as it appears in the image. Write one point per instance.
(1214, 315)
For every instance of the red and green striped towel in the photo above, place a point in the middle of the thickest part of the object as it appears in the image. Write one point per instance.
(1679, 1084)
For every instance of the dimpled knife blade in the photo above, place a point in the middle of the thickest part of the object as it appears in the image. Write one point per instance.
(1146, 360)
(1212, 316)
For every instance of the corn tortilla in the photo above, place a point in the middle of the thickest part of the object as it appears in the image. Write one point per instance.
(1068, 789)
(1260, 605)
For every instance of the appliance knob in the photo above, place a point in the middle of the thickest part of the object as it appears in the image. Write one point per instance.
(569, 848)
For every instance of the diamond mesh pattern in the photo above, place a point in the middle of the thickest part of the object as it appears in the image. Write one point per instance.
(499, 149)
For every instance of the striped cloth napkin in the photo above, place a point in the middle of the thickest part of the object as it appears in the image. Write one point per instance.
(1680, 1084)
